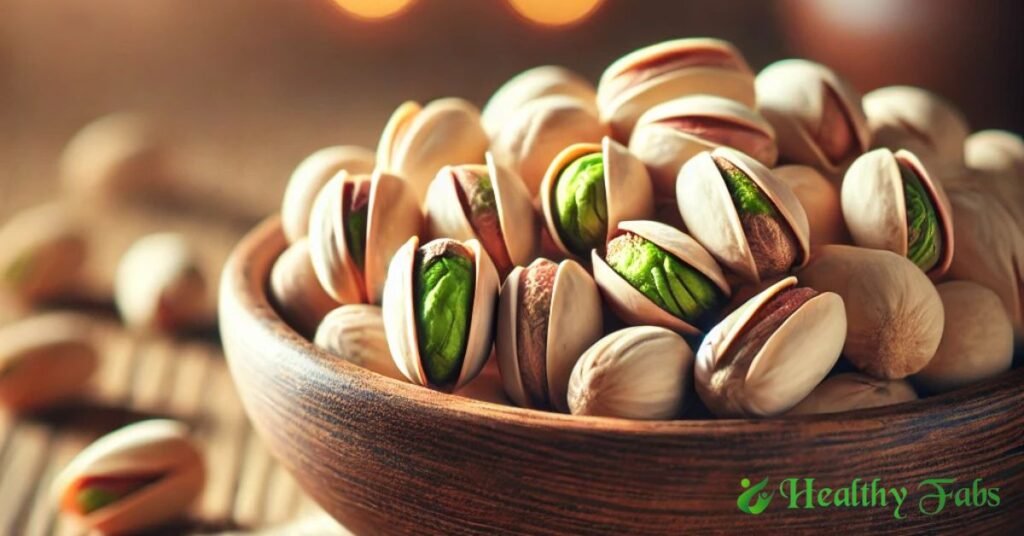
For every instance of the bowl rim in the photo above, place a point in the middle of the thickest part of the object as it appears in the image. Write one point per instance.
(246, 276)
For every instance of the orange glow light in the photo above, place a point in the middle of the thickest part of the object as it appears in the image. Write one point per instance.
(373, 9)
(555, 13)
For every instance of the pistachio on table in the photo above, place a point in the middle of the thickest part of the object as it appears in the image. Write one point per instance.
(439, 305)
(548, 315)
(820, 199)
(43, 254)
(742, 214)
(45, 359)
(310, 177)
(355, 333)
(530, 85)
(296, 292)
(768, 354)
(852, 390)
(132, 479)
(159, 285)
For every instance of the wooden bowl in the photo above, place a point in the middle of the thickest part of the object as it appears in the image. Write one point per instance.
(383, 456)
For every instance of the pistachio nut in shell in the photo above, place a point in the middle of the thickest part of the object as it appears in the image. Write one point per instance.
(893, 313)
(45, 359)
(654, 74)
(977, 341)
(654, 274)
(357, 224)
(43, 254)
(534, 134)
(419, 140)
(818, 117)
(640, 372)
(852, 390)
(159, 285)
(548, 315)
(530, 85)
(310, 177)
(132, 479)
(905, 117)
(890, 201)
(768, 354)
(995, 151)
(355, 333)
(820, 199)
(748, 219)
(296, 292)
(669, 134)
(587, 190)
(488, 203)
(439, 306)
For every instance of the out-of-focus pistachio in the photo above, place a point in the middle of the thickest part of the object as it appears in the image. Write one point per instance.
(531, 85)
(296, 292)
(42, 254)
(160, 287)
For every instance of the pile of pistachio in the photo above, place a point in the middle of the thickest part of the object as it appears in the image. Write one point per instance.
(685, 224)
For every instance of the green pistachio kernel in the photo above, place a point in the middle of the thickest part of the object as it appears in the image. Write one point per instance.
(91, 499)
(667, 281)
(444, 299)
(20, 269)
(356, 196)
(924, 240)
(748, 198)
(580, 204)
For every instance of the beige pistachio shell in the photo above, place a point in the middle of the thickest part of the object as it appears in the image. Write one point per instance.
(820, 199)
(154, 447)
(296, 292)
(875, 209)
(399, 314)
(711, 122)
(574, 322)
(45, 359)
(633, 306)
(355, 333)
(977, 341)
(446, 215)
(628, 191)
(893, 312)
(788, 365)
(711, 216)
(641, 372)
(791, 96)
(534, 134)
(533, 84)
(42, 254)
(310, 177)
(905, 117)
(159, 285)
(851, 391)
(996, 151)
(641, 79)
(420, 140)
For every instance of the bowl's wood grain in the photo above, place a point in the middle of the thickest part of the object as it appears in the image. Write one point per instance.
(384, 456)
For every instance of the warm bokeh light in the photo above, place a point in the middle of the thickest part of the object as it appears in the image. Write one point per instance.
(555, 13)
(373, 9)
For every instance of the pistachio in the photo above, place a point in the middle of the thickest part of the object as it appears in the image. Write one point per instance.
(531, 85)
(296, 292)
(43, 254)
(133, 479)
(310, 177)
(820, 199)
(45, 359)
(903, 117)
(159, 285)
(355, 333)
(635, 373)
(852, 390)
(995, 151)
(768, 354)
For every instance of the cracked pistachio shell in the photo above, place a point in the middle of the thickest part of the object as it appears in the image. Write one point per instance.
(530, 85)
(893, 312)
(820, 199)
(904, 117)
(875, 206)
(160, 286)
(627, 189)
(157, 453)
(852, 390)
(629, 303)
(310, 177)
(817, 115)
(669, 134)
(45, 359)
(392, 215)
(977, 341)
(548, 315)
(296, 292)
(790, 356)
(651, 75)
(355, 333)
(711, 215)
(43, 254)
(503, 219)
(535, 133)
(419, 140)
(641, 373)
(400, 312)
(996, 151)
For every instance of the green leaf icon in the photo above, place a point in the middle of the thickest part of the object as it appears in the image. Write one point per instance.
(746, 502)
